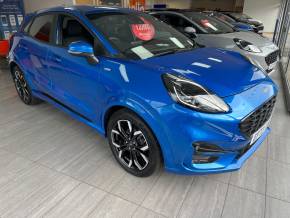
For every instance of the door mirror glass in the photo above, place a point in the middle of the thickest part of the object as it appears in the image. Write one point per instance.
(83, 49)
(190, 31)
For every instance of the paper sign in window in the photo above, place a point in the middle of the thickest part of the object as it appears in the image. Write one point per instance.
(142, 52)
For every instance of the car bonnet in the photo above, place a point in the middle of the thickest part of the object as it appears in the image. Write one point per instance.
(251, 37)
(223, 72)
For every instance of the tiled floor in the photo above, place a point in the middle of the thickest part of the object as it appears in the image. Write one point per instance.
(54, 166)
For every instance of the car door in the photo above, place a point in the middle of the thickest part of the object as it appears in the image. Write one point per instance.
(34, 47)
(75, 81)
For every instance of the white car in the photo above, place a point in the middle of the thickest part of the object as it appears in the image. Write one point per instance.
(210, 32)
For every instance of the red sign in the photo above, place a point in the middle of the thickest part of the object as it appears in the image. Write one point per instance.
(144, 31)
(138, 5)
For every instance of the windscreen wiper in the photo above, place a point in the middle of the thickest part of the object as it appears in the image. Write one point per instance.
(173, 51)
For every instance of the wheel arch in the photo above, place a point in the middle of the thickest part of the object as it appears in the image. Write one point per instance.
(12, 65)
(113, 109)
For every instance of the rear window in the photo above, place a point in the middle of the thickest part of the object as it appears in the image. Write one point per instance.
(41, 28)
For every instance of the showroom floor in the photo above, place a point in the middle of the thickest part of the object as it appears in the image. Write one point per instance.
(54, 166)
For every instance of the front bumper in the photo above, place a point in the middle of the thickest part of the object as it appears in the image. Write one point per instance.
(184, 127)
(225, 163)
(267, 60)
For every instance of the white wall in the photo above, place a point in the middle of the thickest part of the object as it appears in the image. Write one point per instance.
(263, 10)
(33, 5)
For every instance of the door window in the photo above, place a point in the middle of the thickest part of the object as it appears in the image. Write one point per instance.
(71, 30)
(41, 28)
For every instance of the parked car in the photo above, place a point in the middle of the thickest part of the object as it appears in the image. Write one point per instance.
(157, 97)
(243, 18)
(239, 26)
(210, 32)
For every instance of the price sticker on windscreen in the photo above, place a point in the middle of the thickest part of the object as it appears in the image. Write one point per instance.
(144, 31)
(207, 24)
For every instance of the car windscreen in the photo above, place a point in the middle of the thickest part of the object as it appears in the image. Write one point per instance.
(138, 35)
(225, 18)
(208, 24)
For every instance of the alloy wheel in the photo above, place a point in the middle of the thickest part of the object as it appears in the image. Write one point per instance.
(130, 144)
(21, 86)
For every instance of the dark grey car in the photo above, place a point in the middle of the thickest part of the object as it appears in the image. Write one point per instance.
(210, 32)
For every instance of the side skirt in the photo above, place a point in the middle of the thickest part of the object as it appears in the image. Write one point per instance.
(69, 111)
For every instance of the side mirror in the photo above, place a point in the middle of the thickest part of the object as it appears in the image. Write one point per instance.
(190, 31)
(83, 49)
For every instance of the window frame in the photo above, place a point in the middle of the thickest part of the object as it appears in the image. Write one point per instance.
(26, 26)
(52, 35)
(97, 46)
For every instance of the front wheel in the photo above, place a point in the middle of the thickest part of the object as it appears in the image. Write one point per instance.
(133, 144)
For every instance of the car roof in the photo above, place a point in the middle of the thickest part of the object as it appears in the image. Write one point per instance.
(86, 9)
(163, 9)
(172, 10)
(177, 11)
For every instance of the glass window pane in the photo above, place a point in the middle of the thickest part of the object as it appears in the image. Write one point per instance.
(41, 28)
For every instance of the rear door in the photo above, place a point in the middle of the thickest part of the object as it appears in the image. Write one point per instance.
(34, 46)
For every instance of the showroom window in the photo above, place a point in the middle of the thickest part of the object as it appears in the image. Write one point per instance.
(41, 28)
(282, 39)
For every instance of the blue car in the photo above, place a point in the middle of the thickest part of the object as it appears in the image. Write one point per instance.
(159, 98)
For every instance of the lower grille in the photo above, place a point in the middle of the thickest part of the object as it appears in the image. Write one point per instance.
(257, 119)
(243, 151)
(272, 58)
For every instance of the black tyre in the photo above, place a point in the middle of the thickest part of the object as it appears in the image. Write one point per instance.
(22, 88)
(133, 144)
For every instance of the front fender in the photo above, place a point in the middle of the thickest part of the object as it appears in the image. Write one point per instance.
(152, 118)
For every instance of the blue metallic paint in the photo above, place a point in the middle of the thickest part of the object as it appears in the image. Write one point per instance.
(243, 26)
(81, 47)
(92, 90)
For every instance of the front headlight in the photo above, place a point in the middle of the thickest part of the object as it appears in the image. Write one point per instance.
(193, 95)
(247, 46)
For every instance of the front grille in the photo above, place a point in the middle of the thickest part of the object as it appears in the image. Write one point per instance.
(257, 119)
(273, 57)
